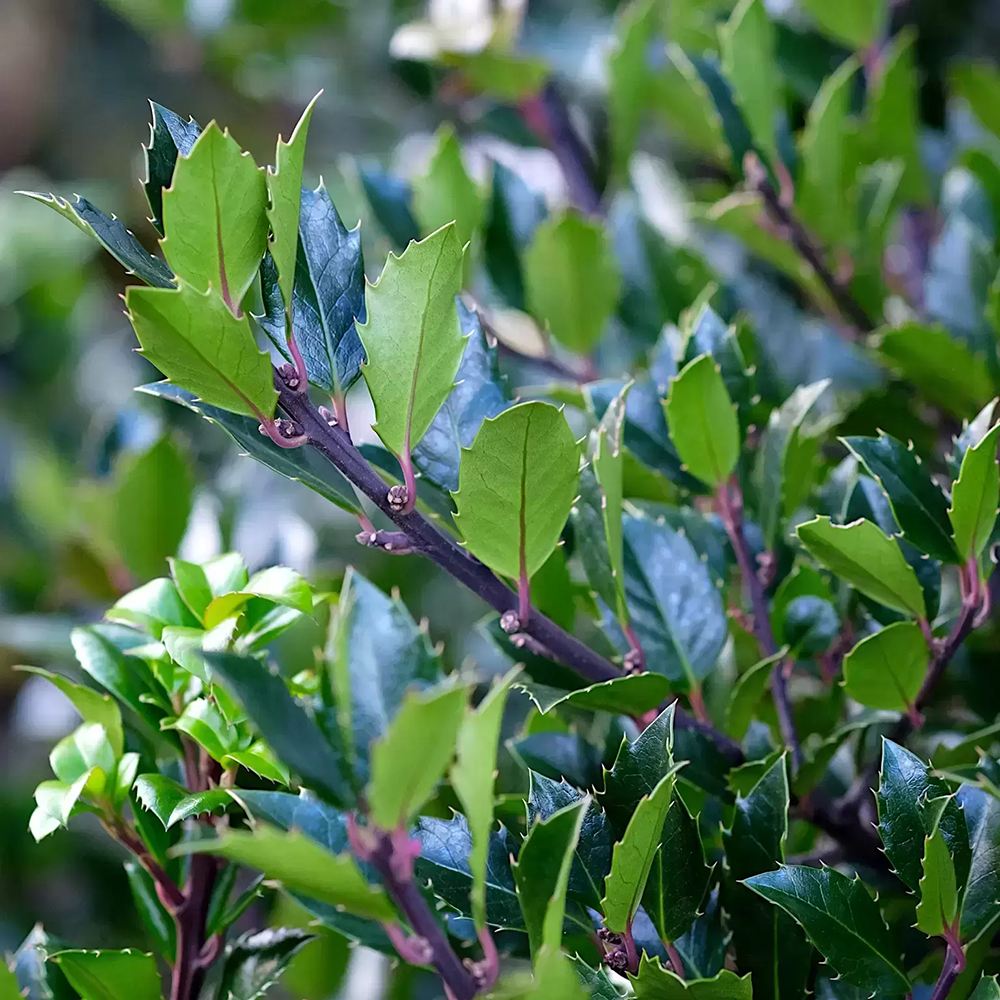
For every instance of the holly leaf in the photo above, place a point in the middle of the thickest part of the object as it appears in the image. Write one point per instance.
(214, 217)
(473, 777)
(445, 192)
(653, 982)
(629, 695)
(748, 692)
(974, 496)
(887, 669)
(516, 486)
(196, 341)
(412, 338)
(918, 505)
(284, 190)
(110, 975)
(571, 279)
(111, 233)
(988, 989)
(301, 865)
(702, 421)
(401, 780)
(982, 886)
(855, 23)
(170, 136)
(938, 906)
(255, 961)
(867, 559)
(843, 922)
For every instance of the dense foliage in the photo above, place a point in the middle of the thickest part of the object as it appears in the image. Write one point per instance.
(743, 743)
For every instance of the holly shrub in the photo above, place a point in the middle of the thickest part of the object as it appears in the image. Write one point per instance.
(745, 741)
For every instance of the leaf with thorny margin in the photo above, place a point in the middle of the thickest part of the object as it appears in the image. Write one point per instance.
(938, 906)
(110, 232)
(111, 975)
(301, 465)
(842, 921)
(412, 339)
(974, 496)
(542, 873)
(653, 982)
(867, 559)
(473, 777)
(919, 506)
(988, 989)
(979, 903)
(629, 695)
(194, 339)
(402, 780)
(300, 864)
(170, 136)
(214, 217)
(886, 670)
(516, 486)
(284, 192)
(632, 857)
(703, 422)
(255, 961)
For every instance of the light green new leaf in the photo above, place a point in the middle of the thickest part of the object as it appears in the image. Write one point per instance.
(301, 865)
(9, 987)
(111, 975)
(473, 777)
(607, 463)
(938, 904)
(855, 23)
(541, 873)
(653, 982)
(988, 989)
(92, 706)
(516, 485)
(974, 496)
(284, 192)
(886, 670)
(410, 759)
(632, 857)
(748, 60)
(276, 583)
(214, 217)
(571, 279)
(201, 346)
(702, 421)
(446, 193)
(55, 802)
(412, 337)
(978, 83)
(867, 559)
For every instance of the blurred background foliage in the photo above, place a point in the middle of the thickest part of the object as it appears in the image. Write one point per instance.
(99, 484)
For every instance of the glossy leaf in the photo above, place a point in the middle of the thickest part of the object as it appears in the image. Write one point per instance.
(938, 906)
(255, 961)
(445, 193)
(887, 669)
(571, 279)
(199, 345)
(516, 486)
(982, 886)
(170, 136)
(974, 496)
(653, 982)
(110, 975)
(412, 338)
(214, 217)
(630, 695)
(867, 559)
(607, 463)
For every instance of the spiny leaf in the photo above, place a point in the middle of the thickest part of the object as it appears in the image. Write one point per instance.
(653, 982)
(886, 670)
(974, 496)
(255, 961)
(412, 339)
(938, 906)
(110, 975)
(170, 136)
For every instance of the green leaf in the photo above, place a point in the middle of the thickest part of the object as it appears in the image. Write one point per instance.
(389, 198)
(445, 193)
(403, 780)
(674, 604)
(978, 83)
(653, 982)
(112, 235)
(205, 724)
(982, 886)
(278, 584)
(630, 79)
(748, 60)
(300, 865)
(149, 608)
(842, 921)
(149, 506)
(974, 496)
(571, 279)
(255, 961)
(516, 486)
(171, 803)
(111, 975)
(198, 344)
(855, 23)
(284, 192)
(92, 706)
(542, 874)
(887, 669)
(508, 76)
(703, 422)
(938, 906)
(55, 802)
(170, 136)
(259, 758)
(919, 506)
(630, 695)
(607, 462)
(867, 559)
(748, 692)
(944, 367)
(302, 465)
(9, 987)
(286, 726)
(826, 157)
(473, 777)
(632, 857)
(214, 217)
(988, 989)
(87, 750)
(412, 338)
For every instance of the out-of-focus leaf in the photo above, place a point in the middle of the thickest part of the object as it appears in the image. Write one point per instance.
(978, 83)
(445, 192)
(111, 975)
(855, 23)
